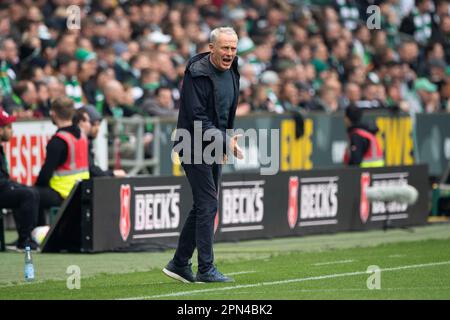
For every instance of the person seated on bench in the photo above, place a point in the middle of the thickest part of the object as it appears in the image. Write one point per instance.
(66, 161)
(22, 199)
(88, 119)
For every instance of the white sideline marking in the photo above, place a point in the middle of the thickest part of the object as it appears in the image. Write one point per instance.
(271, 283)
(241, 272)
(396, 255)
(332, 262)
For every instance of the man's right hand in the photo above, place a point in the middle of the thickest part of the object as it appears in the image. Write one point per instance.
(237, 151)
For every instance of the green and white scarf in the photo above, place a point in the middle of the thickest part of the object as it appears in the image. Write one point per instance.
(73, 91)
(5, 81)
(423, 24)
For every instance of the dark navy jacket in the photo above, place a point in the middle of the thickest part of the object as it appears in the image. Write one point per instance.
(198, 96)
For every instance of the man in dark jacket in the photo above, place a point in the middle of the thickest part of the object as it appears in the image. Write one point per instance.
(209, 98)
(23, 199)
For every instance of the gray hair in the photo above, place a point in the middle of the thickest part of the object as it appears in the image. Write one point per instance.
(214, 35)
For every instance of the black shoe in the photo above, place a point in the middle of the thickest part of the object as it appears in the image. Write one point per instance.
(213, 275)
(183, 274)
(21, 245)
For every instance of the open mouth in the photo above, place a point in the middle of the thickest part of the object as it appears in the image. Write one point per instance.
(227, 60)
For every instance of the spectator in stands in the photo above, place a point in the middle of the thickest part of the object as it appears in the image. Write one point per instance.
(363, 148)
(328, 99)
(68, 69)
(87, 69)
(150, 81)
(22, 199)
(419, 23)
(9, 63)
(290, 97)
(118, 101)
(88, 119)
(306, 95)
(43, 100)
(441, 35)
(67, 158)
(161, 105)
(352, 95)
(23, 101)
(270, 82)
(425, 97)
(348, 13)
(55, 88)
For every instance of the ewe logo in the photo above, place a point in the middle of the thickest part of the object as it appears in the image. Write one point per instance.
(318, 201)
(125, 224)
(242, 206)
(157, 209)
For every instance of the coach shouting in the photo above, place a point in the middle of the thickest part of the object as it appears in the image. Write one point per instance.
(209, 97)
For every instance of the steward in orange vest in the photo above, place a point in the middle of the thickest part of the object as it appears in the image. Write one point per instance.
(364, 149)
(66, 160)
(76, 166)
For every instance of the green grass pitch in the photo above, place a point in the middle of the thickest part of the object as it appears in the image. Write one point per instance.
(413, 264)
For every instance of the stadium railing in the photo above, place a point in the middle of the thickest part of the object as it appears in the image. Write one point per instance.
(134, 144)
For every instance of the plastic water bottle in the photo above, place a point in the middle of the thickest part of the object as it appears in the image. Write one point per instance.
(29, 268)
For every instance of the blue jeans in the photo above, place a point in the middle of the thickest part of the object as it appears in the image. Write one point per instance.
(198, 230)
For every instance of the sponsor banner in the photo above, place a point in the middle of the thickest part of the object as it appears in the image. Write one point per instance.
(26, 150)
(380, 214)
(131, 212)
(241, 208)
(427, 140)
(433, 141)
(149, 212)
(322, 148)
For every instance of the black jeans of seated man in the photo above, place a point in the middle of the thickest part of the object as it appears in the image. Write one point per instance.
(24, 201)
(198, 230)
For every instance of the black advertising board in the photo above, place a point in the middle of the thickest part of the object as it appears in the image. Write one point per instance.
(148, 212)
(144, 211)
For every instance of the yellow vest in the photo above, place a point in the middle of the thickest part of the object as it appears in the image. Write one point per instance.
(76, 166)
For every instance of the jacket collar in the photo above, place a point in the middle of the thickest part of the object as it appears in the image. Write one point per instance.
(199, 65)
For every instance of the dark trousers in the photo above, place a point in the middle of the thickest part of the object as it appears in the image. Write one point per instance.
(24, 201)
(49, 198)
(198, 230)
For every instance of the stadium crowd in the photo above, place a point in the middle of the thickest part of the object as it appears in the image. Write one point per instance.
(128, 57)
